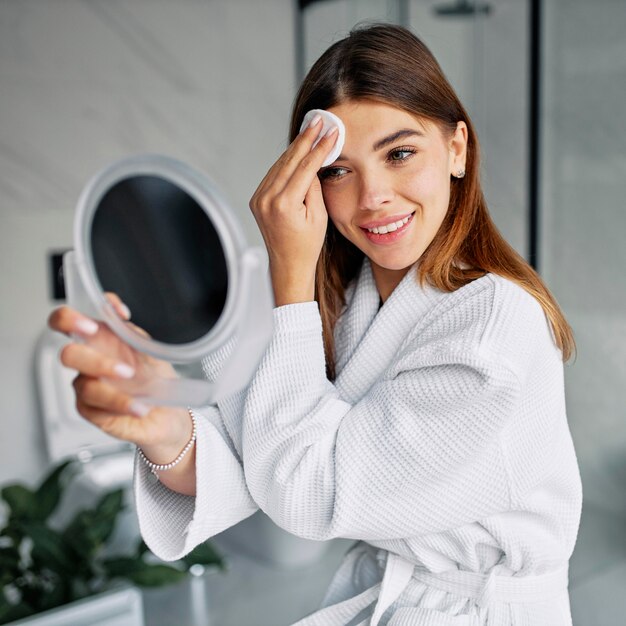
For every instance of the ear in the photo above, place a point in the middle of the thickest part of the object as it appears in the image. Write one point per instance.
(458, 148)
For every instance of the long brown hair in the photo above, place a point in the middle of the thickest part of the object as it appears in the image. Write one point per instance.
(389, 64)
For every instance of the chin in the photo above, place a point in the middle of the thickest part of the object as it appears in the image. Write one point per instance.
(394, 264)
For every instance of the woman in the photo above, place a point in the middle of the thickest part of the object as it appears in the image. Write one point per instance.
(412, 395)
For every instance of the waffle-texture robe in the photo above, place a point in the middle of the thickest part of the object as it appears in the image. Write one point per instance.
(442, 445)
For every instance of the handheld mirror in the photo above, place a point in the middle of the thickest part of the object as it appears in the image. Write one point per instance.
(158, 234)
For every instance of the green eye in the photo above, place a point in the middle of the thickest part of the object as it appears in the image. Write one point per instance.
(400, 155)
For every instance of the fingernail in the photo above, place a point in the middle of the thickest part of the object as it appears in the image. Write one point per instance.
(138, 408)
(125, 310)
(124, 370)
(315, 120)
(85, 326)
(331, 131)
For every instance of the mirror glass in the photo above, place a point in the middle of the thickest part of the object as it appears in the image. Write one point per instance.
(153, 245)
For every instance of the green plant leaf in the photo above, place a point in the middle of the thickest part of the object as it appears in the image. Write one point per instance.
(156, 575)
(121, 567)
(56, 596)
(77, 534)
(71, 557)
(204, 554)
(142, 548)
(9, 557)
(111, 504)
(100, 529)
(5, 605)
(12, 534)
(21, 500)
(9, 564)
(91, 528)
(49, 548)
(49, 492)
(13, 612)
(88, 532)
(142, 573)
(78, 588)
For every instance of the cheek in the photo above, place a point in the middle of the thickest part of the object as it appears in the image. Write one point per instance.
(337, 206)
(431, 190)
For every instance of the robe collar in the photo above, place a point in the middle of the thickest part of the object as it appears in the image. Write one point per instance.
(368, 338)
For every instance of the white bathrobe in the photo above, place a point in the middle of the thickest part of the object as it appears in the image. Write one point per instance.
(442, 445)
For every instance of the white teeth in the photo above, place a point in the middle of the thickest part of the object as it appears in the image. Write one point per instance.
(389, 228)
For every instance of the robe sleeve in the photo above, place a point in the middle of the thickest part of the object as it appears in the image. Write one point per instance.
(419, 453)
(172, 524)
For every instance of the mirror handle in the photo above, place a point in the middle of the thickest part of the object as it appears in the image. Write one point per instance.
(75, 293)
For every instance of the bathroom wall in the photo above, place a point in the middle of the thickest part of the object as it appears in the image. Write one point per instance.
(84, 82)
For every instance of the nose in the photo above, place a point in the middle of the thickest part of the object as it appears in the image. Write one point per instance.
(375, 191)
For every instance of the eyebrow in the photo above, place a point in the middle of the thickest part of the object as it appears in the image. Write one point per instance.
(381, 143)
(405, 132)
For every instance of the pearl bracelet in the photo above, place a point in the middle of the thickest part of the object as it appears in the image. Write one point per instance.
(154, 467)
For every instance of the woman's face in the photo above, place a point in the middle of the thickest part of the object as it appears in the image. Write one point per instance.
(393, 175)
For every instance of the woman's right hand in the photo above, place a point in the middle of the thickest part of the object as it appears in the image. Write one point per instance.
(160, 431)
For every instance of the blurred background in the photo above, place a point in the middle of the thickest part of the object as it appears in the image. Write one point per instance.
(211, 82)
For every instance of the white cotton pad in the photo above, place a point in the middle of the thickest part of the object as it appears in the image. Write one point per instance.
(329, 121)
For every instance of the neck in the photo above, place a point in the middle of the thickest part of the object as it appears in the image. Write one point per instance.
(387, 280)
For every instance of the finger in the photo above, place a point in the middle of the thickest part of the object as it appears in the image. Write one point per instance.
(281, 171)
(310, 161)
(140, 431)
(69, 321)
(305, 175)
(91, 362)
(99, 394)
(302, 147)
(122, 310)
(314, 200)
(121, 426)
(139, 330)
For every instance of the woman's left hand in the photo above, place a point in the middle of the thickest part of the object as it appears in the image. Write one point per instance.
(289, 209)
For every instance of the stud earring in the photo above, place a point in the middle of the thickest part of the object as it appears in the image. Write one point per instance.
(460, 174)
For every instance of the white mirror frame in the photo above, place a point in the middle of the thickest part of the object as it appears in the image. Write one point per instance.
(247, 313)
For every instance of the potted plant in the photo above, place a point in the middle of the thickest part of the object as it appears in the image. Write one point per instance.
(42, 566)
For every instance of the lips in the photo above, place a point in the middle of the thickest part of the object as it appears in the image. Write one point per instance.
(390, 237)
(384, 222)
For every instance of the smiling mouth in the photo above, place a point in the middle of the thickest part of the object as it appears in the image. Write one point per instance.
(391, 227)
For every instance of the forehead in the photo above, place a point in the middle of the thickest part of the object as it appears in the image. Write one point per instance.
(371, 116)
